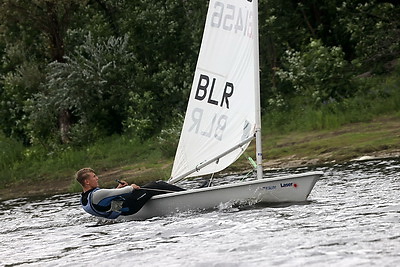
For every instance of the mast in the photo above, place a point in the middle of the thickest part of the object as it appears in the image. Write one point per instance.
(257, 93)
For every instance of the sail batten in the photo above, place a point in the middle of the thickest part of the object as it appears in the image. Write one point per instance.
(221, 109)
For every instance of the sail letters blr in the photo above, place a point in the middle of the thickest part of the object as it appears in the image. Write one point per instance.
(202, 91)
(205, 92)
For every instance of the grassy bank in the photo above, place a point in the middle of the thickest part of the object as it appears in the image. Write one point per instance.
(120, 157)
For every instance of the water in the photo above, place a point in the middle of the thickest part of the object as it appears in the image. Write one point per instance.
(352, 219)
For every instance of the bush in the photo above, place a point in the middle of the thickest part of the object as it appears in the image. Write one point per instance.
(169, 138)
(376, 96)
(93, 85)
(320, 73)
(11, 152)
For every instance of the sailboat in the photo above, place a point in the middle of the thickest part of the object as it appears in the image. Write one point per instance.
(222, 118)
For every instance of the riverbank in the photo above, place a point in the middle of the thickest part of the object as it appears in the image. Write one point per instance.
(379, 138)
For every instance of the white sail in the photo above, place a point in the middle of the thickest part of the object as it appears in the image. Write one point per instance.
(221, 112)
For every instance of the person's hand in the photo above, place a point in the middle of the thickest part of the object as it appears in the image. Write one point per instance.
(122, 184)
(135, 186)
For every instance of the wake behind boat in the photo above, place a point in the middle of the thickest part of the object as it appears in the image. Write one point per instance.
(222, 118)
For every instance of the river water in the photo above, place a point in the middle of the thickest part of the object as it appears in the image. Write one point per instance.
(352, 219)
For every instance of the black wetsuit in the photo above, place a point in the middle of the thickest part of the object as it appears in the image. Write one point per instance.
(135, 201)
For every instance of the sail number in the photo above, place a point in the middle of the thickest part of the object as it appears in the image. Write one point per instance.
(232, 18)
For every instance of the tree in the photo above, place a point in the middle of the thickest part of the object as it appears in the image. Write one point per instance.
(93, 84)
(50, 19)
(374, 27)
(318, 72)
(166, 37)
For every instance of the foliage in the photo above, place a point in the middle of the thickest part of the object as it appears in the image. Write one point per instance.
(11, 152)
(18, 87)
(168, 138)
(380, 96)
(166, 37)
(374, 27)
(111, 67)
(318, 73)
(33, 34)
(19, 163)
(93, 84)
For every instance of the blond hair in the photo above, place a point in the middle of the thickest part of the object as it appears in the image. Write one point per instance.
(82, 174)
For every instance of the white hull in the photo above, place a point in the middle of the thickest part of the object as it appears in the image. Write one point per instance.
(291, 188)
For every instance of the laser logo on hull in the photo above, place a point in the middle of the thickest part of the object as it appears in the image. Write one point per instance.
(288, 185)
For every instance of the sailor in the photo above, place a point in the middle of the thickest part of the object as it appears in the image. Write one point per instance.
(123, 200)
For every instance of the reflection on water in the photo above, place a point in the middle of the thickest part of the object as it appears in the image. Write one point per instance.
(352, 219)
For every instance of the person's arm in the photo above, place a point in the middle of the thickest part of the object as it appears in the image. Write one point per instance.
(123, 183)
(109, 194)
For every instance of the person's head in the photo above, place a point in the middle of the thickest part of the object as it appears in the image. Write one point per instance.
(87, 178)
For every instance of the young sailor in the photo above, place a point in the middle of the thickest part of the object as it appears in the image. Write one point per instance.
(123, 200)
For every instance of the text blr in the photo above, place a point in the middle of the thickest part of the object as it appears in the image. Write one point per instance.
(211, 126)
(204, 88)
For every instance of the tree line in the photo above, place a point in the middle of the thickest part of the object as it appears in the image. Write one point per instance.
(74, 71)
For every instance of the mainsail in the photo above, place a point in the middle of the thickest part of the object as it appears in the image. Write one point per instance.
(221, 112)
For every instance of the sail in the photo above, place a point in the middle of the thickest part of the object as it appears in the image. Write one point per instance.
(221, 111)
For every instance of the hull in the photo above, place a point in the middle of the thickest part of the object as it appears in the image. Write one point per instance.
(291, 188)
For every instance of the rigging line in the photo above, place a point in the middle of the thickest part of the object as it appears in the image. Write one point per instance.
(245, 176)
(159, 190)
(250, 159)
(212, 174)
(211, 179)
(150, 189)
(252, 163)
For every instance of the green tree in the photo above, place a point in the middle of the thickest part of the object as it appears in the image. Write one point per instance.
(93, 84)
(47, 21)
(374, 27)
(166, 38)
(21, 76)
(57, 80)
(318, 73)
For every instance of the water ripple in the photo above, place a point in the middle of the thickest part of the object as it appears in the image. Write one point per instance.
(352, 219)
